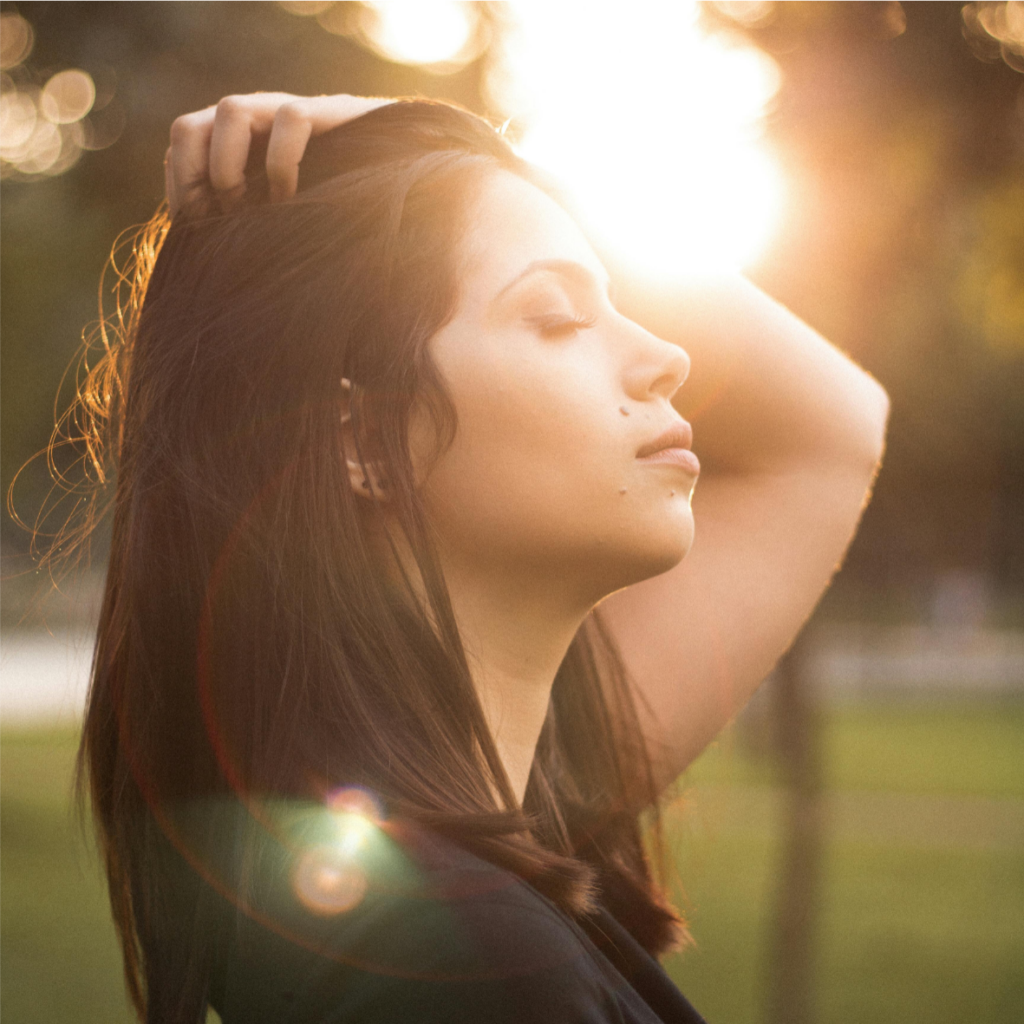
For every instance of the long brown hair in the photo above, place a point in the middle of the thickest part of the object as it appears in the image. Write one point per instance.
(249, 644)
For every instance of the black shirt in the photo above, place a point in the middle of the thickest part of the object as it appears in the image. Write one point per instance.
(427, 932)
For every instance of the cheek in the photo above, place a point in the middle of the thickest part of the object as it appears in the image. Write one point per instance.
(526, 459)
(537, 468)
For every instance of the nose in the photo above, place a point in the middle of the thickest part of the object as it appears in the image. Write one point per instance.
(655, 368)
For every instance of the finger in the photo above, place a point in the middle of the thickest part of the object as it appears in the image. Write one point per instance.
(294, 123)
(188, 168)
(292, 129)
(213, 143)
(237, 119)
(188, 157)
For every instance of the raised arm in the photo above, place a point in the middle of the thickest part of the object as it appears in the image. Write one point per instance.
(790, 434)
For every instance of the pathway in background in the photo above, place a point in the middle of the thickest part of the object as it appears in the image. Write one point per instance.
(44, 677)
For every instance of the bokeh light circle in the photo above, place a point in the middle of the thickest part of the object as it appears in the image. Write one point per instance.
(306, 8)
(42, 149)
(16, 39)
(17, 121)
(68, 96)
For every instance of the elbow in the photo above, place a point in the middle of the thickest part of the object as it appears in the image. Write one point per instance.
(859, 426)
(873, 425)
(880, 419)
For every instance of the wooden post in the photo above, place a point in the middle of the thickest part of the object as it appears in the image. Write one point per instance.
(791, 957)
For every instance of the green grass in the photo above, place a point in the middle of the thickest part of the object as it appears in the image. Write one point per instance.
(923, 935)
(58, 956)
(905, 935)
(925, 924)
(953, 748)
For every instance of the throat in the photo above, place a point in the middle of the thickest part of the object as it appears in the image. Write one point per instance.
(513, 663)
(515, 628)
(515, 720)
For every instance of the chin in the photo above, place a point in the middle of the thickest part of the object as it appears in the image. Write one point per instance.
(656, 550)
(670, 537)
(661, 561)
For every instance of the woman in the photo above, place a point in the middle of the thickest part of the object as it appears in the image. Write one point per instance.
(360, 743)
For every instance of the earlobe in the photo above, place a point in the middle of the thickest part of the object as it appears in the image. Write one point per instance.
(368, 483)
(366, 480)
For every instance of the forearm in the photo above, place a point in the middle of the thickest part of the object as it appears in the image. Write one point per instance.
(766, 392)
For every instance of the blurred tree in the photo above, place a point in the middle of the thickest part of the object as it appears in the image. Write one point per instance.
(907, 153)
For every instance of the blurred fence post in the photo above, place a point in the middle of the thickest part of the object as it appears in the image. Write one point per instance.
(791, 946)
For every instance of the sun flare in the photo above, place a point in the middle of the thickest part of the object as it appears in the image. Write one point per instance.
(654, 126)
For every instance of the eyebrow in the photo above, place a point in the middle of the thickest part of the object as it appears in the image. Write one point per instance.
(569, 269)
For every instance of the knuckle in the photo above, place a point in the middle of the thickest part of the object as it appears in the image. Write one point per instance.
(181, 127)
(292, 112)
(231, 107)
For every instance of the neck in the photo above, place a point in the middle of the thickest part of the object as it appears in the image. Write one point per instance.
(515, 635)
(515, 629)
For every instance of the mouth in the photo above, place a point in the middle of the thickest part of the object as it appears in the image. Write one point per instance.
(672, 448)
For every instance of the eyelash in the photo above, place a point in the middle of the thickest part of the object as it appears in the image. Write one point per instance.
(555, 327)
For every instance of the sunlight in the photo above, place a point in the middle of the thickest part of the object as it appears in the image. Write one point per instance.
(652, 124)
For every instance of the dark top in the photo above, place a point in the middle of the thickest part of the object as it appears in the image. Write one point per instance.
(379, 927)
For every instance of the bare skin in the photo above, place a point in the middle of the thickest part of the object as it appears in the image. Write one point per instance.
(544, 505)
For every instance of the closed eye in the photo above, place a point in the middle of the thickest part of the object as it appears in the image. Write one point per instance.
(562, 326)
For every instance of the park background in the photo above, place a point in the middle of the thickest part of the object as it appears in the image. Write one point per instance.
(852, 849)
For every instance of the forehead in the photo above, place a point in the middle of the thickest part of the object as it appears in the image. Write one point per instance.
(511, 225)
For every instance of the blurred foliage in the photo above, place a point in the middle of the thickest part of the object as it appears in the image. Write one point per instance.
(901, 128)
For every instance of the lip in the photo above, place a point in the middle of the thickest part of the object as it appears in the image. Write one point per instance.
(672, 448)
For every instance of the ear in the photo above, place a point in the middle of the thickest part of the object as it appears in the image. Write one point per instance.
(369, 482)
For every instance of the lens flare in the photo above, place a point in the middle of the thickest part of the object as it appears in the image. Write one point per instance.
(354, 800)
(328, 877)
(327, 881)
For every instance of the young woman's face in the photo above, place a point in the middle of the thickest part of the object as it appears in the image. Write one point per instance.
(557, 396)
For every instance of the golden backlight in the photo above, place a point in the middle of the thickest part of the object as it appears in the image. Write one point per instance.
(652, 124)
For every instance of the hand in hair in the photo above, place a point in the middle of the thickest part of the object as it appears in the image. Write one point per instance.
(213, 143)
